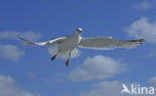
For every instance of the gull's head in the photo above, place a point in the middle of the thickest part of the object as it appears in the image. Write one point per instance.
(79, 30)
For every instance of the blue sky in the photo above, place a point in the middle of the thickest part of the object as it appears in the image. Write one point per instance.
(30, 67)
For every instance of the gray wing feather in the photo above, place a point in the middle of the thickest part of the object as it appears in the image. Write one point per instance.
(104, 43)
(45, 43)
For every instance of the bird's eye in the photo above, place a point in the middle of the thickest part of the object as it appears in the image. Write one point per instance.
(79, 30)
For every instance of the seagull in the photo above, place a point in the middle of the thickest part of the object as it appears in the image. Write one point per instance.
(66, 47)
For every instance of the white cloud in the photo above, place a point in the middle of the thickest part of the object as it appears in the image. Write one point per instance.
(143, 28)
(112, 88)
(152, 81)
(14, 35)
(10, 52)
(8, 87)
(105, 88)
(98, 67)
(143, 5)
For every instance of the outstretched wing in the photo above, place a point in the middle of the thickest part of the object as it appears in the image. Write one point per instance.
(105, 43)
(45, 43)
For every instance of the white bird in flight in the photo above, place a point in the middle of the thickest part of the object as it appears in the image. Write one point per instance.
(66, 47)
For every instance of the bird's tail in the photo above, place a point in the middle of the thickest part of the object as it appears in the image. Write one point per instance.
(139, 41)
(64, 53)
(27, 42)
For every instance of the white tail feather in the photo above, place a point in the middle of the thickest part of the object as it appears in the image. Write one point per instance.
(64, 53)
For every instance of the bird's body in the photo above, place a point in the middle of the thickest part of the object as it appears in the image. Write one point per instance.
(67, 46)
(70, 43)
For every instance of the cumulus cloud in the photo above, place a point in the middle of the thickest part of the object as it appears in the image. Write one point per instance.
(10, 52)
(143, 28)
(143, 5)
(152, 81)
(112, 88)
(98, 67)
(14, 35)
(8, 87)
(105, 88)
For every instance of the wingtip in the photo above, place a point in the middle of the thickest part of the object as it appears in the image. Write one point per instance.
(21, 37)
(142, 40)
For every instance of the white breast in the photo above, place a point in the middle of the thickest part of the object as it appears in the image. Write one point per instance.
(71, 43)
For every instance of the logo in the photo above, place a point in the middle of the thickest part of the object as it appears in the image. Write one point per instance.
(137, 89)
